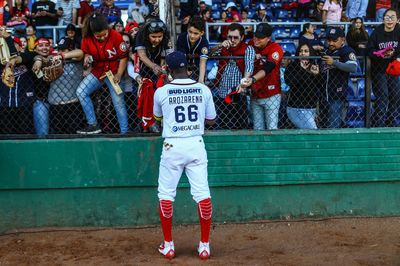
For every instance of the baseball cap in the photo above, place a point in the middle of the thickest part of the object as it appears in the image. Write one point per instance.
(66, 43)
(393, 68)
(130, 25)
(176, 60)
(263, 30)
(261, 7)
(334, 33)
(17, 41)
(230, 4)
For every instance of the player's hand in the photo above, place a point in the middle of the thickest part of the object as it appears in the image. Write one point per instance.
(327, 59)
(240, 89)
(258, 56)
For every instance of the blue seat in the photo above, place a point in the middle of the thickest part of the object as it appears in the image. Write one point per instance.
(295, 32)
(280, 32)
(369, 29)
(282, 13)
(288, 47)
(216, 15)
(355, 116)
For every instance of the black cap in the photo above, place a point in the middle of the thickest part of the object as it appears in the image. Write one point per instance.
(334, 33)
(176, 60)
(263, 30)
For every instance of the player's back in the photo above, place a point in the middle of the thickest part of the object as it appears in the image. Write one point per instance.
(184, 105)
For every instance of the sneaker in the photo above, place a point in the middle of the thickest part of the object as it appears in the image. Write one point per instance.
(204, 250)
(167, 249)
(90, 129)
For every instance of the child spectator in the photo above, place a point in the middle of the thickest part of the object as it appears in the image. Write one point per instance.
(24, 44)
(233, 12)
(31, 37)
(67, 11)
(248, 30)
(132, 28)
(194, 45)
(71, 40)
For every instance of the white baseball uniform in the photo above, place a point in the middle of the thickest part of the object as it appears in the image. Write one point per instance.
(184, 104)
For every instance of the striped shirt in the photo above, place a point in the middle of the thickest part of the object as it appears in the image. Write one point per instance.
(68, 7)
(232, 75)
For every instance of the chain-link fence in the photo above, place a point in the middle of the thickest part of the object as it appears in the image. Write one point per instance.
(314, 95)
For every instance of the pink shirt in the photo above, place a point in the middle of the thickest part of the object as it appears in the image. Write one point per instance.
(334, 11)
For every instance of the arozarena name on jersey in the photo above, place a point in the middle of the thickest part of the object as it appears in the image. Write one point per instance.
(185, 128)
(185, 99)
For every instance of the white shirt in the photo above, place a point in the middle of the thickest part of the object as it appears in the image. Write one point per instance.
(184, 105)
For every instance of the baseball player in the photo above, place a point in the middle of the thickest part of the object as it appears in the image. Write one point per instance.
(184, 106)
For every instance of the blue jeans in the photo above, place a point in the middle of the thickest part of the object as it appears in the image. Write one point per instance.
(91, 84)
(302, 118)
(266, 112)
(387, 92)
(335, 111)
(41, 117)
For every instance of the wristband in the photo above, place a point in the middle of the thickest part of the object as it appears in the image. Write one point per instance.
(253, 80)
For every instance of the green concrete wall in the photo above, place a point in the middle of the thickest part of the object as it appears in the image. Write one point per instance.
(253, 175)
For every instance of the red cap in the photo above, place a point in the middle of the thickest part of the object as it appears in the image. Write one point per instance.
(393, 68)
(42, 40)
(17, 41)
(131, 25)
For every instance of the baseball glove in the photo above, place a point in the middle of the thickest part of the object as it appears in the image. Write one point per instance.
(54, 71)
(7, 77)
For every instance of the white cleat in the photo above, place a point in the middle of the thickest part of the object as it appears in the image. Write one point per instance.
(167, 249)
(204, 250)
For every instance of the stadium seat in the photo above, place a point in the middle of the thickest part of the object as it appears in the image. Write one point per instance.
(280, 32)
(369, 29)
(282, 13)
(355, 115)
(295, 32)
(288, 47)
(216, 15)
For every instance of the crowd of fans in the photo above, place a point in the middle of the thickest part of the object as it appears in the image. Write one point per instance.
(254, 82)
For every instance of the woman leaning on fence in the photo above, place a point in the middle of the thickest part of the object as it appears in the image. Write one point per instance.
(105, 51)
(305, 82)
(383, 47)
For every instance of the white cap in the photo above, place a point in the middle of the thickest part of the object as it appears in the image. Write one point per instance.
(230, 4)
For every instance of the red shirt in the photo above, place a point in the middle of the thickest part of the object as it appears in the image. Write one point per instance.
(383, 4)
(85, 9)
(105, 54)
(270, 85)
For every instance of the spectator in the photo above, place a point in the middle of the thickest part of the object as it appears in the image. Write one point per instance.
(332, 11)
(305, 83)
(265, 83)
(119, 26)
(194, 45)
(386, 88)
(24, 44)
(356, 9)
(202, 6)
(152, 45)
(4, 12)
(62, 94)
(107, 51)
(188, 8)
(283, 118)
(85, 9)
(67, 12)
(357, 36)
(230, 73)
(31, 37)
(16, 103)
(232, 12)
(317, 12)
(138, 11)
(19, 16)
(303, 10)
(44, 13)
(247, 29)
(336, 73)
(132, 28)
(109, 10)
(307, 36)
(71, 41)
(261, 14)
(381, 6)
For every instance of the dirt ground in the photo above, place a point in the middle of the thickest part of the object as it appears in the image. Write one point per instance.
(351, 241)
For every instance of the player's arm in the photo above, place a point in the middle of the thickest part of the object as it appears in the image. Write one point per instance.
(210, 122)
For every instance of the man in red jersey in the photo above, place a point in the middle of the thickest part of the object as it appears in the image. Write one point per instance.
(265, 84)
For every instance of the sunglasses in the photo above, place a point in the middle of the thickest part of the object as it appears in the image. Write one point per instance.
(157, 26)
(233, 37)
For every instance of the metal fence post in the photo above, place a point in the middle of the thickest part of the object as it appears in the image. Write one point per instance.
(368, 90)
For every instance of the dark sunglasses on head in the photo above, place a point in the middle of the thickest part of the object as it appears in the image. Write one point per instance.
(157, 26)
